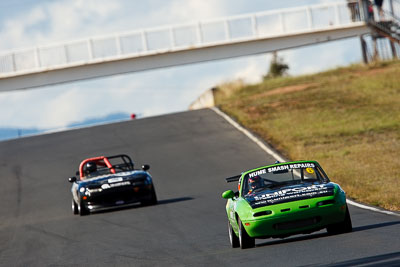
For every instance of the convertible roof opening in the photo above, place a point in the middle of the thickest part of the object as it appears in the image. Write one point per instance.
(105, 165)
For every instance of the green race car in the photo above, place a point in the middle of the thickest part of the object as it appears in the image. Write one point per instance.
(284, 199)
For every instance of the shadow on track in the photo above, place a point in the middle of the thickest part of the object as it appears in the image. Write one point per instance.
(319, 235)
(374, 226)
(173, 200)
(390, 259)
(293, 239)
(138, 205)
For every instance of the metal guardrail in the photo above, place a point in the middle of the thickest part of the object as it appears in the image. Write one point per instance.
(386, 21)
(390, 11)
(394, 9)
(246, 27)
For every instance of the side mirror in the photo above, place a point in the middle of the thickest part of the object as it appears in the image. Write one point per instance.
(145, 167)
(77, 173)
(228, 194)
(72, 179)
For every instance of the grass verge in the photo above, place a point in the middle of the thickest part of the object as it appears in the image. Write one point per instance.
(348, 119)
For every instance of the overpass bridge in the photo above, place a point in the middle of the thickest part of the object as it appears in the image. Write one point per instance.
(175, 45)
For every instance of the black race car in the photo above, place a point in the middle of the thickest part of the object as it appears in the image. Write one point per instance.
(109, 182)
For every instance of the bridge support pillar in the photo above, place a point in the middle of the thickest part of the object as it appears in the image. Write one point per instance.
(364, 49)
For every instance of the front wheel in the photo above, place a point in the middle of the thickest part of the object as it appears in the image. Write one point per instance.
(342, 227)
(82, 209)
(75, 209)
(244, 239)
(234, 240)
(153, 199)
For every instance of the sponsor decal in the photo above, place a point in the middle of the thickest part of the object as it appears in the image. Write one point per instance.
(95, 190)
(308, 166)
(310, 170)
(293, 194)
(290, 166)
(259, 172)
(107, 186)
(115, 180)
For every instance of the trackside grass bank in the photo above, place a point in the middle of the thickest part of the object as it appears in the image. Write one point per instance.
(348, 119)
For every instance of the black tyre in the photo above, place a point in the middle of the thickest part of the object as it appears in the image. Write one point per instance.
(343, 227)
(234, 240)
(153, 200)
(75, 209)
(245, 240)
(153, 197)
(347, 225)
(82, 209)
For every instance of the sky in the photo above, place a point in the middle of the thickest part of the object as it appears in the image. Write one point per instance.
(29, 23)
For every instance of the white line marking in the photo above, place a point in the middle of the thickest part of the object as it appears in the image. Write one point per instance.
(249, 135)
(281, 159)
(351, 202)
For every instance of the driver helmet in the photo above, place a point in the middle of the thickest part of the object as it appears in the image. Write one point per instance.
(254, 183)
(91, 167)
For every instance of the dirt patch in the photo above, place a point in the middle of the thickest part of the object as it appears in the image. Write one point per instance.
(286, 89)
(372, 71)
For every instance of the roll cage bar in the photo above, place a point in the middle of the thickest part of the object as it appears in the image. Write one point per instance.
(104, 161)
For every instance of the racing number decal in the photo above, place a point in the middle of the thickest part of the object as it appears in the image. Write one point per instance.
(310, 170)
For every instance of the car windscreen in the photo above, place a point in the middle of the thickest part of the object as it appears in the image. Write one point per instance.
(281, 175)
(121, 164)
(100, 169)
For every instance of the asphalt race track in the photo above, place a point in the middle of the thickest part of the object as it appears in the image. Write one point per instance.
(190, 154)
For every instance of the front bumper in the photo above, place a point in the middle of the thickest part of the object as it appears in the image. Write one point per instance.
(115, 197)
(285, 223)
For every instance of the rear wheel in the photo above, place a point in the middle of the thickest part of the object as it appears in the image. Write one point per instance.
(342, 227)
(245, 240)
(233, 237)
(74, 207)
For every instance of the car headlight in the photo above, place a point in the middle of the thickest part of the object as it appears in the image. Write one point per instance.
(84, 191)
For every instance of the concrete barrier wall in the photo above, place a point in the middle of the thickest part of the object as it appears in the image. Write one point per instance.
(205, 100)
